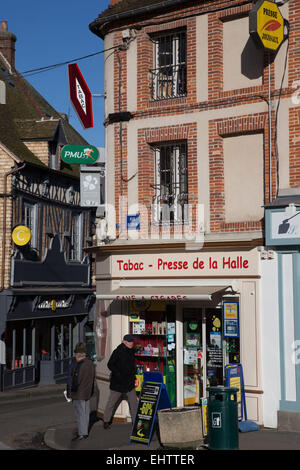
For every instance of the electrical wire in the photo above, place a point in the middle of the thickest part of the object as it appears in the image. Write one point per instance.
(31, 72)
(166, 19)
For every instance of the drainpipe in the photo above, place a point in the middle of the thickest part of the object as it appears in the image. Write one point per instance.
(270, 130)
(5, 195)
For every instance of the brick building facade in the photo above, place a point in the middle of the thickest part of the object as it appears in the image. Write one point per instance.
(199, 116)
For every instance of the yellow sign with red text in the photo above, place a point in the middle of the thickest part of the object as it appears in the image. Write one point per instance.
(266, 24)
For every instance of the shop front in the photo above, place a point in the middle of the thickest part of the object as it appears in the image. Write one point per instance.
(205, 349)
(282, 369)
(40, 332)
(48, 308)
(191, 314)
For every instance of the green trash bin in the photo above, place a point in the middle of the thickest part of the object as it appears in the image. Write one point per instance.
(222, 413)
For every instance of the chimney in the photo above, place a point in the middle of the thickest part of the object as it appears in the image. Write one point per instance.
(7, 44)
(112, 2)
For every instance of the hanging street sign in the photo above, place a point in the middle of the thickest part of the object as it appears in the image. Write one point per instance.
(80, 96)
(90, 189)
(21, 235)
(79, 154)
(266, 25)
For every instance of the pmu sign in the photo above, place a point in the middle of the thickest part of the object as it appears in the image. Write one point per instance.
(266, 25)
(80, 96)
(80, 154)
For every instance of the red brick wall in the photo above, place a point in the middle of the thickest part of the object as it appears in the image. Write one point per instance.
(120, 130)
(146, 63)
(294, 79)
(217, 99)
(294, 141)
(146, 162)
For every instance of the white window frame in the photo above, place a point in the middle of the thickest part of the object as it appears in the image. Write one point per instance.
(174, 66)
(54, 157)
(159, 206)
(76, 237)
(30, 220)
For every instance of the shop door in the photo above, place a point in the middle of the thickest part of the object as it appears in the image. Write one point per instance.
(205, 352)
(193, 359)
(215, 356)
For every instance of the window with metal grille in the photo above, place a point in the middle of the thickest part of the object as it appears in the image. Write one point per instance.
(169, 73)
(171, 184)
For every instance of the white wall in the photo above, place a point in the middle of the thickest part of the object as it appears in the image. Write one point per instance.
(244, 177)
(243, 61)
(270, 341)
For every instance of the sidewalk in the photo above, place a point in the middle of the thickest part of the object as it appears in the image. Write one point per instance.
(32, 392)
(118, 436)
(16, 395)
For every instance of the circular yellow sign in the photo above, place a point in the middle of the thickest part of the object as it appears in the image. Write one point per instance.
(267, 24)
(21, 235)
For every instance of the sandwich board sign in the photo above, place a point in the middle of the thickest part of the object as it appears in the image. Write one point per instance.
(80, 96)
(153, 397)
(234, 378)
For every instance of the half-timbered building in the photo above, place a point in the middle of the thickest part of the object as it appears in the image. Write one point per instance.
(46, 300)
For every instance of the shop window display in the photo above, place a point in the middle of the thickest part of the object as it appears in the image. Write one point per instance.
(192, 356)
(90, 341)
(153, 327)
(214, 349)
(18, 343)
(219, 351)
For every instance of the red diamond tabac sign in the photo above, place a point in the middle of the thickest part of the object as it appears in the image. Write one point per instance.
(80, 96)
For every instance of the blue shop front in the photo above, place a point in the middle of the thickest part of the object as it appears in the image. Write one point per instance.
(281, 350)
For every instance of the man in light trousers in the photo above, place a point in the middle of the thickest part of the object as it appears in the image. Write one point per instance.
(82, 386)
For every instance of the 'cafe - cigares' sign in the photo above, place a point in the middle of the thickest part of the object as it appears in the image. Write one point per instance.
(266, 25)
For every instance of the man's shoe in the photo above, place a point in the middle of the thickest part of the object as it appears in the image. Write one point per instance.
(79, 438)
(106, 425)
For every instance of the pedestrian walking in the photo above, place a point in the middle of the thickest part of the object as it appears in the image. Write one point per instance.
(122, 380)
(82, 387)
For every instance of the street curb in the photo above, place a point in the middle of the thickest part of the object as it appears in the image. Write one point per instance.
(49, 439)
(29, 394)
(5, 447)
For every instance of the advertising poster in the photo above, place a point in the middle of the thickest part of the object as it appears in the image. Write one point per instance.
(146, 412)
(231, 319)
(234, 378)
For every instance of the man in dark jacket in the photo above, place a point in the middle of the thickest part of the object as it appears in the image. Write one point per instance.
(122, 380)
(82, 385)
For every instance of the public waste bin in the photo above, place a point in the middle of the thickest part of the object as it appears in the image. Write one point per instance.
(222, 413)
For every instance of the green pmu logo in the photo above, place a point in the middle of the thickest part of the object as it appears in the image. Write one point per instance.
(79, 154)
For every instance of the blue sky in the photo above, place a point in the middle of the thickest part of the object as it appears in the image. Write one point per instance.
(50, 32)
